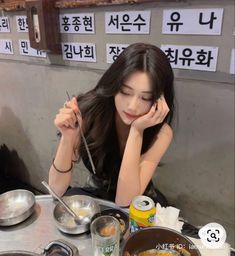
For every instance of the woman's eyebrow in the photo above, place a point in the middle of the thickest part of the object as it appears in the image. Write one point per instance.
(127, 86)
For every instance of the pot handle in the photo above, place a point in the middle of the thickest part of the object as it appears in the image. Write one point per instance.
(60, 245)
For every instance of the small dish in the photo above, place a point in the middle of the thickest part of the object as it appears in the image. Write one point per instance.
(121, 216)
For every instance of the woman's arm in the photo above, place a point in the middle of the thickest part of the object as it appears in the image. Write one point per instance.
(65, 121)
(136, 171)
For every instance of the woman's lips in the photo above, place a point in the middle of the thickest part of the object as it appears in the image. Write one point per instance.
(130, 116)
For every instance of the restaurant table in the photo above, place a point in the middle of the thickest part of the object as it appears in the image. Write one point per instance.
(36, 232)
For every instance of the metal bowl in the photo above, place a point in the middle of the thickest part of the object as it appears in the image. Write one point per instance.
(84, 206)
(16, 206)
(159, 238)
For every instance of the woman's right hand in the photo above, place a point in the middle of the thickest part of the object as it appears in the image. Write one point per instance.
(67, 118)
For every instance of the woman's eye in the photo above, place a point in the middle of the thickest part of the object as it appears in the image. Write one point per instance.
(147, 99)
(123, 92)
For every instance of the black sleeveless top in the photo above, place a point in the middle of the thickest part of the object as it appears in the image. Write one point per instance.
(105, 181)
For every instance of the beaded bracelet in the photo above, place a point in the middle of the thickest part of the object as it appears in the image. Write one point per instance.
(53, 164)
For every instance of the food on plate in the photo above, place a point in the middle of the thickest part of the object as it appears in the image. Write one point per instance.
(108, 230)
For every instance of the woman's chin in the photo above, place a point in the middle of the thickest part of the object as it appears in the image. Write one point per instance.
(128, 122)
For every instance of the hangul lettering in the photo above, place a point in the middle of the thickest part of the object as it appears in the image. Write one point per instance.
(76, 23)
(5, 23)
(139, 24)
(79, 52)
(65, 23)
(89, 52)
(212, 18)
(8, 46)
(22, 23)
(172, 55)
(87, 22)
(186, 60)
(24, 46)
(39, 53)
(175, 16)
(68, 51)
(125, 22)
(114, 21)
(114, 50)
(204, 58)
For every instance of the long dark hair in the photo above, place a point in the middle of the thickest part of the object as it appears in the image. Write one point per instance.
(98, 108)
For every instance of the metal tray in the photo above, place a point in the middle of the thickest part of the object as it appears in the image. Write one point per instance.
(39, 229)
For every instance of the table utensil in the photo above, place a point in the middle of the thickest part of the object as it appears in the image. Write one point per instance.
(16, 206)
(57, 247)
(78, 219)
(158, 238)
(84, 141)
(84, 205)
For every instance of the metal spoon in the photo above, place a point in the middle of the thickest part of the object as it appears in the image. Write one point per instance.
(80, 220)
(84, 141)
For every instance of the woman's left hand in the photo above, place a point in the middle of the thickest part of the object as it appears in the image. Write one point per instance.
(156, 115)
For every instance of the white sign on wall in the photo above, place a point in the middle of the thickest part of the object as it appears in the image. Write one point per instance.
(192, 57)
(79, 52)
(232, 62)
(192, 21)
(82, 23)
(6, 46)
(113, 51)
(129, 22)
(22, 23)
(4, 25)
(25, 49)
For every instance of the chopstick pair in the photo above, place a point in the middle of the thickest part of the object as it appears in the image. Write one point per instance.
(84, 141)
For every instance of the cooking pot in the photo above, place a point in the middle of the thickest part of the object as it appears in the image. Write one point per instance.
(55, 248)
(158, 238)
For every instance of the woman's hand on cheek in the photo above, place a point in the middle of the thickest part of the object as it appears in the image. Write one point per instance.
(156, 115)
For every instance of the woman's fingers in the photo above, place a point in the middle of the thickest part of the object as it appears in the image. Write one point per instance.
(162, 110)
(69, 112)
(73, 105)
(69, 115)
(64, 120)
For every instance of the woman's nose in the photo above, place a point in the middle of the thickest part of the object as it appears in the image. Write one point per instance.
(133, 104)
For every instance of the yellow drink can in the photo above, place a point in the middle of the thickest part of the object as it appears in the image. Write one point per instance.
(141, 213)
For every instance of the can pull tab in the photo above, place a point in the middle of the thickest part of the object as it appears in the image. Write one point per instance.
(143, 203)
(36, 28)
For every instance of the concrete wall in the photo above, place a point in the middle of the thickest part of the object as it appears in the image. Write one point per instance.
(198, 170)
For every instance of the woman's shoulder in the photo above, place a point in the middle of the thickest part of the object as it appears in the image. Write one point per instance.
(166, 131)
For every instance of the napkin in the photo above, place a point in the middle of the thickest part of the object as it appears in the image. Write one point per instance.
(168, 217)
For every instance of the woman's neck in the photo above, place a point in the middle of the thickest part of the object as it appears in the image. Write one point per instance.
(122, 133)
(122, 130)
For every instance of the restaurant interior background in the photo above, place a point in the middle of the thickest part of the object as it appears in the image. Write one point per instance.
(197, 173)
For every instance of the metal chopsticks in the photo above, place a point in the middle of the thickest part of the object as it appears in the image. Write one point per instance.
(84, 141)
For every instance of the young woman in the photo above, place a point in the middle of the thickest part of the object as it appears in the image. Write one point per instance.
(126, 121)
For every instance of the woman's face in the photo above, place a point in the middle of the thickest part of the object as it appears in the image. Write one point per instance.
(134, 98)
